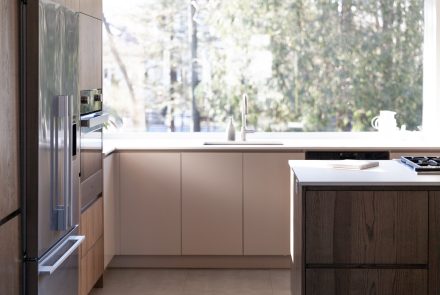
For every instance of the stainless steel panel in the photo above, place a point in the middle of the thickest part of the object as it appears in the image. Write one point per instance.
(58, 210)
(58, 269)
(91, 189)
(91, 152)
(94, 121)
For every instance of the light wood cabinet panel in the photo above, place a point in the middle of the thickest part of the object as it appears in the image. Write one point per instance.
(90, 52)
(266, 202)
(91, 225)
(366, 281)
(10, 257)
(212, 206)
(91, 267)
(362, 227)
(92, 249)
(9, 97)
(72, 4)
(150, 203)
(110, 199)
(91, 7)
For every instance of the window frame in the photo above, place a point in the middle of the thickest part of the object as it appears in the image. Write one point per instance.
(431, 67)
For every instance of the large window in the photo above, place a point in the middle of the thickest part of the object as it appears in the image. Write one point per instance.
(306, 65)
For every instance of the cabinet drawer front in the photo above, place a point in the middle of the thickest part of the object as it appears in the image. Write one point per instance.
(91, 267)
(358, 227)
(366, 281)
(91, 226)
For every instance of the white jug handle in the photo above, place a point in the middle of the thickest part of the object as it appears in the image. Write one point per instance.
(375, 122)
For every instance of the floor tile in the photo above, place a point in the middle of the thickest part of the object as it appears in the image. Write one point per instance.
(216, 281)
(142, 281)
(194, 282)
(280, 279)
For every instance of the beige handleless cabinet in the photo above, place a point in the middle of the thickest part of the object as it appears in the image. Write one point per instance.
(150, 203)
(111, 205)
(266, 199)
(212, 204)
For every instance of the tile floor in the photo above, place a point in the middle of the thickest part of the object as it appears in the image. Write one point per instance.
(195, 282)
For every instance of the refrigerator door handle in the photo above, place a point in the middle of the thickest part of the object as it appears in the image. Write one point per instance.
(50, 269)
(63, 111)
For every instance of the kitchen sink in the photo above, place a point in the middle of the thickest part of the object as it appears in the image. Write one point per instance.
(250, 142)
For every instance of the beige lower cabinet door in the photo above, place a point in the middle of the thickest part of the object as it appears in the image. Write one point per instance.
(266, 202)
(110, 194)
(212, 203)
(150, 203)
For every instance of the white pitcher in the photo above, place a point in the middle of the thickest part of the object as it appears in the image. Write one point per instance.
(386, 121)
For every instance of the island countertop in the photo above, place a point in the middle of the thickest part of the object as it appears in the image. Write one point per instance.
(388, 173)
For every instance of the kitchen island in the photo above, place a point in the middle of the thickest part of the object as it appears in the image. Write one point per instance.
(373, 231)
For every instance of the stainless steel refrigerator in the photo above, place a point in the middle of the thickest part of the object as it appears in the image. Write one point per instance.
(50, 148)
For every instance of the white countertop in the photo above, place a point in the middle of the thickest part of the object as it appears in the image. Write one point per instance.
(388, 173)
(291, 141)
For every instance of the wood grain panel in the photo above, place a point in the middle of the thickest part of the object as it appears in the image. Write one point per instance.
(212, 204)
(367, 227)
(10, 257)
(9, 98)
(150, 204)
(434, 243)
(91, 225)
(266, 202)
(92, 267)
(366, 281)
(90, 52)
(91, 7)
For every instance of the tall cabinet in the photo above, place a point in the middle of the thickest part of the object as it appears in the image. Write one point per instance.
(90, 77)
(10, 250)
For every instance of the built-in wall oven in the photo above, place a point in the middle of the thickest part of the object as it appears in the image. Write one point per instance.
(93, 120)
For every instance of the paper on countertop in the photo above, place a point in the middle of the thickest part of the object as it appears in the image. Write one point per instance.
(353, 164)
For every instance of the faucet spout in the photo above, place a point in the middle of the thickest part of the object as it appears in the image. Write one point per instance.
(244, 112)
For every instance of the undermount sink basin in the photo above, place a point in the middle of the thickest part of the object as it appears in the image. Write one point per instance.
(251, 142)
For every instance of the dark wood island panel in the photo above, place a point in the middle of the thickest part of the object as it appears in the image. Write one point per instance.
(365, 240)
(366, 281)
(434, 243)
(366, 227)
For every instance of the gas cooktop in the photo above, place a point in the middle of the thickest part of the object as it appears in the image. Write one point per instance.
(423, 165)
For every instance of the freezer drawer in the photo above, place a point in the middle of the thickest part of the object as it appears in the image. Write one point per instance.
(57, 271)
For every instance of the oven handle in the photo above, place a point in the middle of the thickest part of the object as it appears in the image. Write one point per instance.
(94, 121)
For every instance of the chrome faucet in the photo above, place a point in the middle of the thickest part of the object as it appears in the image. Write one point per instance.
(244, 112)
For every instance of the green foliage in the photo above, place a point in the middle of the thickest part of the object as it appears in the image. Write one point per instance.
(333, 64)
